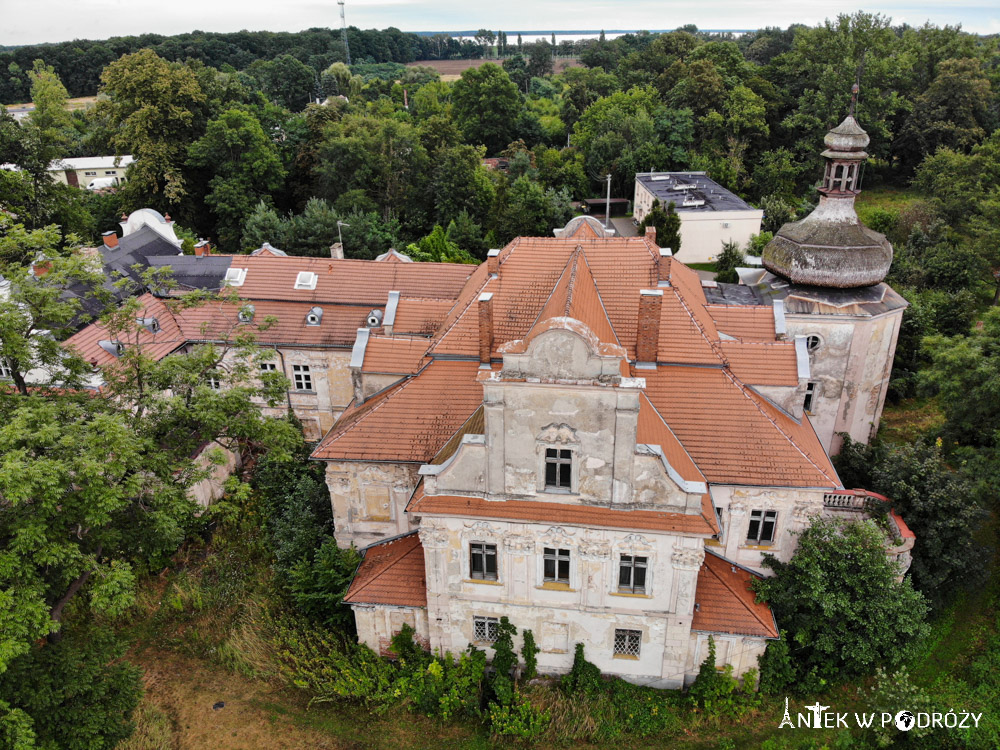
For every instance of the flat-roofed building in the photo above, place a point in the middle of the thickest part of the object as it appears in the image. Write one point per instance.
(710, 214)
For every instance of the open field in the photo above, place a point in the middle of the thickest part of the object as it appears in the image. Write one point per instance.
(450, 70)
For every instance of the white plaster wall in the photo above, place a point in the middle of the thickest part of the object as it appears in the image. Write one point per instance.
(795, 508)
(703, 232)
(742, 651)
(368, 500)
(587, 610)
(377, 624)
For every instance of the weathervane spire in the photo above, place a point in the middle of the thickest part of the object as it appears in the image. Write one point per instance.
(854, 98)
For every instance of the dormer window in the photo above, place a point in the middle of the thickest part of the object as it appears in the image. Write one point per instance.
(314, 317)
(246, 313)
(306, 280)
(558, 469)
(235, 276)
(150, 324)
(114, 348)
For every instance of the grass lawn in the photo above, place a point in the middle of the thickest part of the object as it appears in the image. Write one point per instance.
(906, 421)
(886, 197)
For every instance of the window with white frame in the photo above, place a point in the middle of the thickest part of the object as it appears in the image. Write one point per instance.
(632, 574)
(555, 565)
(558, 469)
(90, 174)
(807, 405)
(485, 629)
(482, 561)
(627, 642)
(5, 372)
(213, 382)
(762, 525)
(302, 377)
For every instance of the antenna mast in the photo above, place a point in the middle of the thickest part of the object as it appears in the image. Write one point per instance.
(343, 31)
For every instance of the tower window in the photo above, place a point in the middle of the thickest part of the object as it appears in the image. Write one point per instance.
(761, 529)
(556, 565)
(558, 468)
(811, 388)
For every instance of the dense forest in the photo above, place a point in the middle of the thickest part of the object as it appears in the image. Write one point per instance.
(107, 557)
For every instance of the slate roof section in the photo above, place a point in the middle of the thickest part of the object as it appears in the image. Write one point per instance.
(193, 272)
(725, 603)
(392, 573)
(136, 249)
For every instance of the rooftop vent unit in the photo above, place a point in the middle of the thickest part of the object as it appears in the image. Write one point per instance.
(692, 202)
(114, 348)
(246, 313)
(306, 280)
(684, 186)
(374, 319)
(150, 324)
(235, 276)
(314, 317)
(659, 178)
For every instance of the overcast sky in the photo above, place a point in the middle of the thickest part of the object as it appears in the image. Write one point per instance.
(31, 21)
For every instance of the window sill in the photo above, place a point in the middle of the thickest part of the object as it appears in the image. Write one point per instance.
(558, 490)
(303, 392)
(757, 546)
(554, 586)
(629, 595)
(626, 656)
(483, 581)
(714, 543)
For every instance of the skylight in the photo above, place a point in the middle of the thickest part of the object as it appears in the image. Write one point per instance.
(235, 276)
(306, 280)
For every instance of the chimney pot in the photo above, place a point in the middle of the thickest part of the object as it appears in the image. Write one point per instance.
(203, 248)
(110, 239)
(485, 328)
(647, 338)
(493, 262)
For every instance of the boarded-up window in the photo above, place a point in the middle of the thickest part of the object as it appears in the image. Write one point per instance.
(721, 652)
(377, 503)
(400, 617)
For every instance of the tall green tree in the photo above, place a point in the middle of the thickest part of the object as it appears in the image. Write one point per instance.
(486, 103)
(245, 166)
(50, 115)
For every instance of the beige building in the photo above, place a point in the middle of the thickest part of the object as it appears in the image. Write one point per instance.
(710, 214)
(83, 171)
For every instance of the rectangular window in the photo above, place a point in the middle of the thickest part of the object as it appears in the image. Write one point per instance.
(482, 561)
(556, 565)
(90, 174)
(213, 382)
(110, 171)
(762, 523)
(302, 377)
(627, 642)
(5, 372)
(718, 517)
(632, 575)
(810, 397)
(558, 468)
(484, 629)
(266, 367)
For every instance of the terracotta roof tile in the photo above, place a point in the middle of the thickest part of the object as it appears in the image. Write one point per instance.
(561, 513)
(725, 603)
(734, 435)
(392, 572)
(763, 362)
(421, 316)
(744, 321)
(652, 430)
(409, 422)
(357, 282)
(154, 345)
(394, 354)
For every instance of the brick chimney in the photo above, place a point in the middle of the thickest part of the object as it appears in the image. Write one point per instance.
(485, 328)
(110, 239)
(663, 266)
(493, 262)
(203, 248)
(651, 234)
(647, 338)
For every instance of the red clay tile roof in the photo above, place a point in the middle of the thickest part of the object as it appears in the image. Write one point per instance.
(763, 363)
(652, 430)
(421, 316)
(409, 422)
(744, 321)
(563, 513)
(391, 572)
(154, 345)
(734, 435)
(725, 603)
(350, 282)
(397, 355)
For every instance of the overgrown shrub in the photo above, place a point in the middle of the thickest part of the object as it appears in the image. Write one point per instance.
(584, 677)
(518, 718)
(317, 584)
(529, 652)
(776, 669)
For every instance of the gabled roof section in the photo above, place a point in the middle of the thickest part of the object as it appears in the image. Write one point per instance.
(725, 603)
(156, 346)
(391, 573)
(421, 316)
(394, 355)
(410, 422)
(754, 322)
(652, 430)
(734, 435)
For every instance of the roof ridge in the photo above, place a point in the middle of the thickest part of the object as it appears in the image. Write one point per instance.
(572, 263)
(747, 393)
